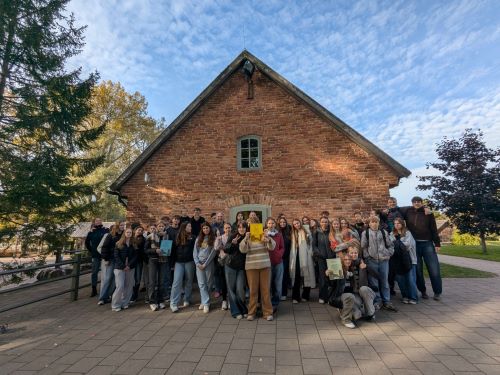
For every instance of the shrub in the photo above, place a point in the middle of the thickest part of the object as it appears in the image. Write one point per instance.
(464, 239)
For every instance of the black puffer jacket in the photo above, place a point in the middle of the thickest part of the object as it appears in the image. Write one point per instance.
(184, 253)
(321, 246)
(108, 247)
(125, 255)
(236, 259)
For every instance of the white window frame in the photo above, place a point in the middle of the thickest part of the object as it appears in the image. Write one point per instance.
(259, 157)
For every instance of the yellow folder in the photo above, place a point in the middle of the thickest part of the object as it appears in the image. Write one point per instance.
(256, 232)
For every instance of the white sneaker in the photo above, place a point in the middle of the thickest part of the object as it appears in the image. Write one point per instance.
(100, 303)
(206, 309)
(239, 317)
(201, 307)
(174, 309)
(295, 301)
(321, 301)
(269, 318)
(283, 298)
(153, 307)
(350, 325)
(224, 305)
(125, 307)
(412, 302)
(185, 304)
(116, 309)
(162, 306)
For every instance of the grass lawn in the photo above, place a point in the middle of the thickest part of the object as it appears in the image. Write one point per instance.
(475, 252)
(449, 271)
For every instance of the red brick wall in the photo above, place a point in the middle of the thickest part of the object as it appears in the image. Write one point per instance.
(307, 165)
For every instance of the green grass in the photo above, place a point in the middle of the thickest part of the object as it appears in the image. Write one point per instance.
(449, 271)
(475, 252)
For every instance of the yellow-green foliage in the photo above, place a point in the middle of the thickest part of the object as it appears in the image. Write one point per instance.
(464, 239)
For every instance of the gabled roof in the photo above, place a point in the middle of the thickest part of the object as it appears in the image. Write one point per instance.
(237, 63)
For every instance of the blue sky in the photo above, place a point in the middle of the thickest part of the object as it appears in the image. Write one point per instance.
(403, 73)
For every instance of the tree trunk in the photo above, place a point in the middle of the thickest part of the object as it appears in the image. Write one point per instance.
(482, 236)
(4, 73)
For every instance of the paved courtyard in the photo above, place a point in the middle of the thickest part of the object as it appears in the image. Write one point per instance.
(460, 335)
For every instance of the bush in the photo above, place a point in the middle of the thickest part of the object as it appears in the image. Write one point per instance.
(464, 239)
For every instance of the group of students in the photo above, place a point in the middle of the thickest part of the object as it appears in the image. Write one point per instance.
(390, 247)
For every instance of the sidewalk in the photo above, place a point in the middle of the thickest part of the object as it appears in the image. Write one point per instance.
(460, 334)
(478, 264)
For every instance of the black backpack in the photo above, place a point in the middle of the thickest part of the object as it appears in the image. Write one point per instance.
(401, 258)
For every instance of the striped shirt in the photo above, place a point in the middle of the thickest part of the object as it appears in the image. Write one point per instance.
(257, 253)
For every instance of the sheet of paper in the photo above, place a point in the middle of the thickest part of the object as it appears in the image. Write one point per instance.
(256, 232)
(335, 265)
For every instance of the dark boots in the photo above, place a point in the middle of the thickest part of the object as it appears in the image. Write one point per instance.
(94, 291)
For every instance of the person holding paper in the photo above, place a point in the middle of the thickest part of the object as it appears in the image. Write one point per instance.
(351, 294)
(157, 267)
(301, 262)
(203, 255)
(258, 270)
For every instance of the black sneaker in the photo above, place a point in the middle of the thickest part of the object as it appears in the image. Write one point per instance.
(369, 318)
(425, 295)
(389, 307)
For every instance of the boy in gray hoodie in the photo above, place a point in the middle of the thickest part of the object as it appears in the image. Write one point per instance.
(377, 248)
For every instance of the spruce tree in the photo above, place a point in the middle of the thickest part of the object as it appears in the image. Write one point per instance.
(42, 135)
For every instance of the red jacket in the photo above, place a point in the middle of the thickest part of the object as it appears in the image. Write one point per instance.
(276, 255)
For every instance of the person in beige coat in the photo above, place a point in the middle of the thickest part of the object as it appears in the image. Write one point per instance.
(301, 262)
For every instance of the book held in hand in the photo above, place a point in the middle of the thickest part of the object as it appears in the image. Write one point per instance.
(335, 268)
(166, 247)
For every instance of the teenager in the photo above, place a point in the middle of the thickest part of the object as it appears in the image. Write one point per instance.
(196, 221)
(347, 232)
(158, 265)
(351, 294)
(171, 234)
(108, 261)
(405, 261)
(258, 271)
(220, 243)
(239, 219)
(337, 242)
(235, 272)
(286, 233)
(125, 262)
(321, 252)
(359, 224)
(313, 226)
(377, 248)
(422, 226)
(203, 255)
(301, 262)
(276, 257)
(184, 268)
(92, 241)
(140, 243)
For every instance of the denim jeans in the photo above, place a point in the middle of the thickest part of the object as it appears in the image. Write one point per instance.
(182, 271)
(167, 278)
(382, 269)
(236, 283)
(205, 282)
(156, 293)
(124, 287)
(138, 273)
(107, 280)
(276, 283)
(408, 283)
(427, 253)
(96, 264)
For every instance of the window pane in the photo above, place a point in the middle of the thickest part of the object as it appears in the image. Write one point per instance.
(244, 163)
(244, 143)
(254, 152)
(254, 163)
(244, 153)
(254, 143)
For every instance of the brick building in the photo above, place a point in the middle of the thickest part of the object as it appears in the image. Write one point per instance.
(253, 141)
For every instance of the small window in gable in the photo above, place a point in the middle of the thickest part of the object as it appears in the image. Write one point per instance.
(249, 153)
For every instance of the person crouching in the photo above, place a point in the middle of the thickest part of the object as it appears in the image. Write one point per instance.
(351, 294)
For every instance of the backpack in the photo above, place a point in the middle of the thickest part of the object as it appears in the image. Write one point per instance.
(368, 237)
(401, 258)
